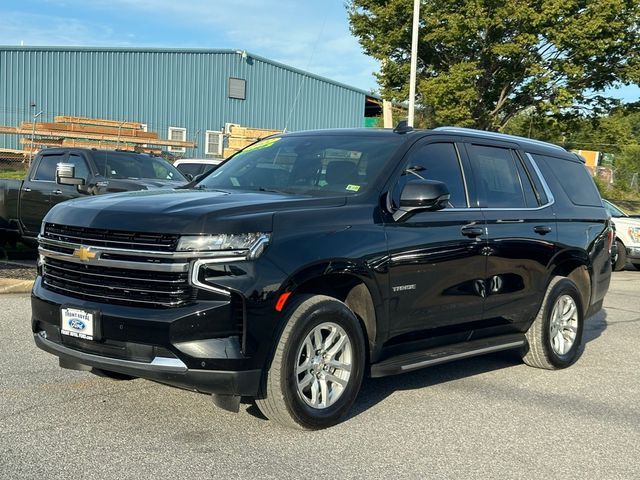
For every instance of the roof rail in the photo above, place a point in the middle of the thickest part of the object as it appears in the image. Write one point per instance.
(499, 135)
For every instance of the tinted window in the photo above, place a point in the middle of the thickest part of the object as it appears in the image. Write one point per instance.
(435, 161)
(529, 194)
(47, 168)
(497, 177)
(122, 165)
(82, 170)
(313, 165)
(575, 180)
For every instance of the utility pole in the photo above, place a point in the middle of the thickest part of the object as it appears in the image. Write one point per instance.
(33, 132)
(414, 61)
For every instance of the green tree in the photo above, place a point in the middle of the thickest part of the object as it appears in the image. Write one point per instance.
(483, 62)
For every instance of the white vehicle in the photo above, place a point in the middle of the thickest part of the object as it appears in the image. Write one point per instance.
(192, 167)
(627, 237)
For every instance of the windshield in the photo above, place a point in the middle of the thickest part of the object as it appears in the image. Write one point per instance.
(613, 210)
(124, 165)
(313, 165)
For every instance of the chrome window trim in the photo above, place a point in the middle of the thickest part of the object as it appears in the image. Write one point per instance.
(550, 198)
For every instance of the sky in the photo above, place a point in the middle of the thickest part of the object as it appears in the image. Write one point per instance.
(312, 35)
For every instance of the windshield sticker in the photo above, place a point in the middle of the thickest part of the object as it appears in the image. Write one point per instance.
(256, 146)
(353, 188)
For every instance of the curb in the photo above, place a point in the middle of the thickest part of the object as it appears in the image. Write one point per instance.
(15, 285)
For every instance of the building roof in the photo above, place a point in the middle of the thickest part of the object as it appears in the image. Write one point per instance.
(224, 51)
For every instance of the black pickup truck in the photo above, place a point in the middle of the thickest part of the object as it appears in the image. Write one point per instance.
(24, 203)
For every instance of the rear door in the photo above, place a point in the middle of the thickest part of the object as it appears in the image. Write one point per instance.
(436, 263)
(35, 196)
(521, 229)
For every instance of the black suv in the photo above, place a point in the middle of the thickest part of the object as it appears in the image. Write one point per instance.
(312, 259)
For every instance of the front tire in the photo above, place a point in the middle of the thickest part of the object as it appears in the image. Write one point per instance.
(555, 336)
(619, 261)
(317, 367)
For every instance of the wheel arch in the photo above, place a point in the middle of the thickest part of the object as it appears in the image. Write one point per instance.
(357, 292)
(576, 266)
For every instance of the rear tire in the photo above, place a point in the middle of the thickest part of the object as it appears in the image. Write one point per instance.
(317, 366)
(555, 336)
(620, 259)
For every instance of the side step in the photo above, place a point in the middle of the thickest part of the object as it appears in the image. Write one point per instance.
(435, 356)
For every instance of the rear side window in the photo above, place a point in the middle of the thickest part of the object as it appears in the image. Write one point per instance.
(46, 171)
(498, 179)
(575, 180)
(436, 161)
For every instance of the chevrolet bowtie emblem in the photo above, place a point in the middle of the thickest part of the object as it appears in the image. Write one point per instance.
(84, 254)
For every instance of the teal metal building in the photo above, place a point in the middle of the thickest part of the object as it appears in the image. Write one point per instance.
(181, 94)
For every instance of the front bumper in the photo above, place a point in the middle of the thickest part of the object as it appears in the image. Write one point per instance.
(170, 371)
(633, 253)
(191, 348)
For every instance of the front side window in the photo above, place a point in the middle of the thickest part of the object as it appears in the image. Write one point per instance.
(435, 161)
(497, 178)
(312, 165)
(131, 166)
(46, 171)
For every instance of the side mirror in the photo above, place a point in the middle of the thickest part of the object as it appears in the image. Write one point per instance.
(66, 175)
(188, 176)
(422, 196)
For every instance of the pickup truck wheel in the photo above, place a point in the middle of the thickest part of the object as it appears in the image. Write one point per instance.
(317, 367)
(620, 259)
(555, 336)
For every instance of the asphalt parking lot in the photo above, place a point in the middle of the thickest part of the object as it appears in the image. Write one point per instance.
(489, 417)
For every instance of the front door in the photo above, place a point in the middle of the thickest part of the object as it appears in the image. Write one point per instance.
(437, 262)
(35, 196)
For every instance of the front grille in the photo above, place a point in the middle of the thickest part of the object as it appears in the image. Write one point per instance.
(157, 242)
(117, 285)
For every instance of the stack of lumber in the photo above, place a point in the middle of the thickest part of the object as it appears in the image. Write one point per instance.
(240, 137)
(90, 133)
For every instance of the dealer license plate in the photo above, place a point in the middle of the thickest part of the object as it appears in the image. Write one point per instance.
(77, 323)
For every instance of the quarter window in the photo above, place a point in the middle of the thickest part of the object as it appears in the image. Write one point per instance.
(435, 161)
(575, 180)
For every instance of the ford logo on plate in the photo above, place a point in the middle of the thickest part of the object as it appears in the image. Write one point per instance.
(76, 324)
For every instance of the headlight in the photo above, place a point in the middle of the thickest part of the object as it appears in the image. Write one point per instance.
(634, 233)
(254, 242)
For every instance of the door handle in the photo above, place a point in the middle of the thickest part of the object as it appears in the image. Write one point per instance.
(26, 189)
(542, 229)
(472, 231)
(57, 192)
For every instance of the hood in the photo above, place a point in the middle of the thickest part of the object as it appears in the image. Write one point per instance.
(183, 211)
(625, 222)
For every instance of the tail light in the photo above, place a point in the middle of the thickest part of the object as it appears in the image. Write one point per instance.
(610, 237)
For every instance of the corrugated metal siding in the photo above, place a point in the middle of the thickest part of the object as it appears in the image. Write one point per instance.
(168, 88)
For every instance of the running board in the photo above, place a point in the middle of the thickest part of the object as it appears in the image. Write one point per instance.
(435, 356)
